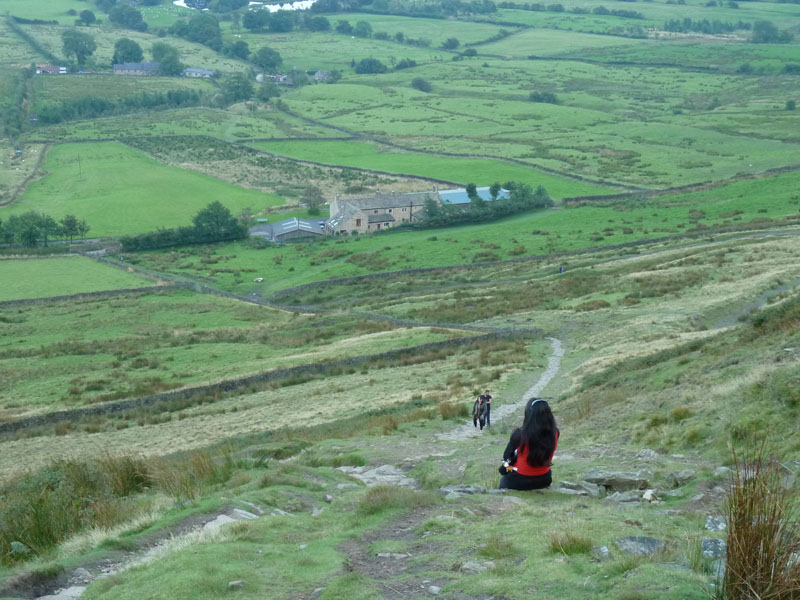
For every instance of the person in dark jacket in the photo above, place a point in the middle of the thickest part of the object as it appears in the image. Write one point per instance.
(529, 452)
(486, 398)
(479, 410)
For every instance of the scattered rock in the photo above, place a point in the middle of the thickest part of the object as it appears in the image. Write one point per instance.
(472, 566)
(328, 498)
(434, 590)
(497, 491)
(256, 508)
(631, 496)
(454, 496)
(512, 500)
(601, 553)
(713, 547)
(235, 585)
(218, 522)
(698, 498)
(639, 545)
(394, 555)
(81, 575)
(70, 593)
(674, 493)
(240, 514)
(19, 549)
(716, 523)
(383, 475)
(650, 496)
(344, 486)
(619, 480)
(722, 472)
(568, 491)
(589, 489)
(680, 478)
(317, 512)
(646, 454)
(461, 489)
(302, 546)
(277, 512)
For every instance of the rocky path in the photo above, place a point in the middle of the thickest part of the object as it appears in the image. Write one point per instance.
(467, 430)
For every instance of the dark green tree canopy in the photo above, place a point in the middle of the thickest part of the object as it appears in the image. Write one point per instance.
(78, 44)
(370, 65)
(423, 85)
(215, 221)
(238, 49)
(128, 17)
(127, 51)
(168, 58)
(237, 88)
(268, 59)
(87, 17)
(362, 29)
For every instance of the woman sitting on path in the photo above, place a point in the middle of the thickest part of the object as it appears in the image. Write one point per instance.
(527, 457)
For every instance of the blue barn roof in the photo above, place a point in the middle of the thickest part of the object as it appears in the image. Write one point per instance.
(459, 196)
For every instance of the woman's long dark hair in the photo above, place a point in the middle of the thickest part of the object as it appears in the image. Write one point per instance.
(539, 432)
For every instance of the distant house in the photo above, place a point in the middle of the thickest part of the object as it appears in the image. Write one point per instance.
(374, 213)
(458, 197)
(322, 76)
(50, 70)
(198, 73)
(137, 69)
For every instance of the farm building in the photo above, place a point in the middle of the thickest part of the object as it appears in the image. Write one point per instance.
(288, 229)
(373, 213)
(50, 70)
(458, 197)
(137, 69)
(198, 73)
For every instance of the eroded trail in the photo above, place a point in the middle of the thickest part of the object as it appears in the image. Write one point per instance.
(553, 365)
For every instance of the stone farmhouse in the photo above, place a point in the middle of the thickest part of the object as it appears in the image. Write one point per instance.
(377, 212)
(137, 69)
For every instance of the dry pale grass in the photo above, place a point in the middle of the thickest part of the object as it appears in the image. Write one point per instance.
(143, 517)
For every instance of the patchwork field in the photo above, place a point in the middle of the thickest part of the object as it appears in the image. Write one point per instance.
(42, 278)
(118, 190)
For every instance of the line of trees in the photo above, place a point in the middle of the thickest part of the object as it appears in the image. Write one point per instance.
(705, 26)
(90, 107)
(522, 197)
(14, 113)
(32, 228)
(214, 223)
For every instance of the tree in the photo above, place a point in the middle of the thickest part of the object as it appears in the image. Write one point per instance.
(545, 97)
(128, 17)
(313, 199)
(343, 27)
(470, 52)
(69, 226)
(281, 21)
(451, 44)
(236, 88)
(423, 85)
(431, 209)
(318, 23)
(127, 51)
(215, 222)
(87, 17)
(78, 44)
(791, 105)
(268, 59)
(237, 49)
(203, 28)
(362, 29)
(167, 57)
(766, 32)
(83, 228)
(494, 190)
(475, 201)
(267, 91)
(255, 20)
(370, 65)
(48, 227)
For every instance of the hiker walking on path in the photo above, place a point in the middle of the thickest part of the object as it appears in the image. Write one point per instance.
(529, 453)
(486, 398)
(479, 411)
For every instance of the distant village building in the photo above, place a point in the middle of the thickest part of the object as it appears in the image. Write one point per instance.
(198, 73)
(137, 69)
(322, 76)
(50, 70)
(458, 197)
(377, 212)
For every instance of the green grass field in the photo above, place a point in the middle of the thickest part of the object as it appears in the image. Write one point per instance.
(538, 232)
(49, 89)
(42, 278)
(120, 191)
(52, 10)
(459, 170)
(229, 125)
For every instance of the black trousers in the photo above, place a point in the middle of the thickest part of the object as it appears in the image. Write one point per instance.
(515, 481)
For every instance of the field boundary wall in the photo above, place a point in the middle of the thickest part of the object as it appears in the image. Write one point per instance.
(231, 385)
(84, 295)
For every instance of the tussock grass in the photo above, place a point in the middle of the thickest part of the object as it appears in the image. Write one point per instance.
(763, 532)
(569, 543)
(390, 497)
(499, 546)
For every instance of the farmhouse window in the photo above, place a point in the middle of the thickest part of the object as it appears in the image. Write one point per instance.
(390, 210)
(376, 212)
(358, 222)
(404, 210)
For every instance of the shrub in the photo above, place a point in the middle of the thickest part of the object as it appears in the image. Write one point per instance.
(763, 533)
(592, 305)
(680, 413)
(498, 546)
(564, 542)
(453, 410)
(423, 85)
